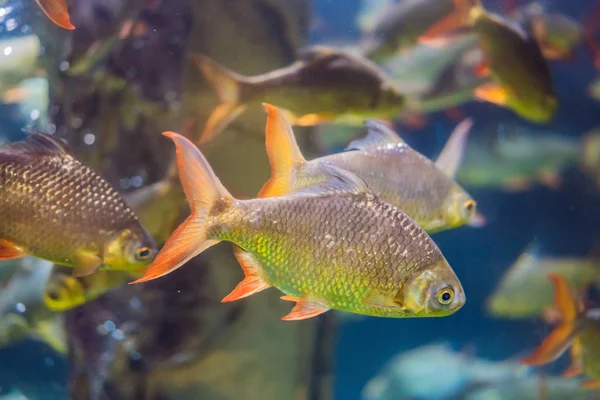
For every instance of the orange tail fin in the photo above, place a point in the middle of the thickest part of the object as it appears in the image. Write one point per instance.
(57, 11)
(228, 86)
(561, 337)
(450, 24)
(203, 191)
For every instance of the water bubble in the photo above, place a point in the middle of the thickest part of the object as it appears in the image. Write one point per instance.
(34, 114)
(48, 362)
(8, 50)
(89, 139)
(20, 307)
(63, 66)
(110, 326)
(11, 24)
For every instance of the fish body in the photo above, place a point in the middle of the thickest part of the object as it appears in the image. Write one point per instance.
(325, 84)
(412, 375)
(522, 79)
(578, 329)
(53, 207)
(525, 290)
(395, 172)
(512, 157)
(335, 245)
(402, 24)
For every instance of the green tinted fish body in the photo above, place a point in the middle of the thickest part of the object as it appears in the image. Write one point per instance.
(335, 245)
(399, 175)
(53, 207)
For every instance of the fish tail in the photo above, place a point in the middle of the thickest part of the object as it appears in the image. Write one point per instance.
(57, 11)
(283, 151)
(561, 337)
(228, 86)
(590, 149)
(437, 35)
(206, 196)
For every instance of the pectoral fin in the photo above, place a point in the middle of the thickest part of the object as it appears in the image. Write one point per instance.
(576, 367)
(87, 263)
(451, 156)
(492, 93)
(10, 251)
(304, 309)
(378, 300)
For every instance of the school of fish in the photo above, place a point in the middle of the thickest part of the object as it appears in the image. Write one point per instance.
(348, 230)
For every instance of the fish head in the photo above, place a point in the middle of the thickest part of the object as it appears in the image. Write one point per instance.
(459, 208)
(132, 249)
(538, 109)
(63, 292)
(436, 291)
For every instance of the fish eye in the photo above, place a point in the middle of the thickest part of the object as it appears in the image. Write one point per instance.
(445, 296)
(469, 205)
(143, 253)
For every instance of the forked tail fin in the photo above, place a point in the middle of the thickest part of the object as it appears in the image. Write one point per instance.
(57, 11)
(227, 84)
(203, 191)
(561, 337)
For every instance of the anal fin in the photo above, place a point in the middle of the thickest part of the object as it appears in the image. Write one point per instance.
(10, 251)
(304, 309)
(492, 93)
(252, 283)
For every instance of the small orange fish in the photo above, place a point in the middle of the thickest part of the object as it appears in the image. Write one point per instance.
(57, 11)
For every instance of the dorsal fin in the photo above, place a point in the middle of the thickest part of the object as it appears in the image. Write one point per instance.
(451, 155)
(37, 143)
(283, 152)
(338, 181)
(378, 134)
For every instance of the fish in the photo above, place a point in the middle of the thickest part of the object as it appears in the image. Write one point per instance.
(396, 173)
(525, 291)
(334, 245)
(370, 12)
(513, 157)
(57, 209)
(522, 81)
(579, 329)
(412, 375)
(557, 34)
(57, 11)
(534, 387)
(64, 292)
(22, 310)
(400, 26)
(593, 89)
(324, 85)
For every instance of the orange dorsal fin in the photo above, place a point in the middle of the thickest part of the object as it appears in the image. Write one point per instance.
(283, 151)
(561, 337)
(252, 283)
(305, 309)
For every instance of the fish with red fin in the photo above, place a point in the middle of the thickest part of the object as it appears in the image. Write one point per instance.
(57, 11)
